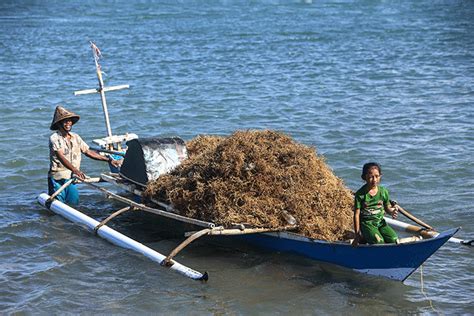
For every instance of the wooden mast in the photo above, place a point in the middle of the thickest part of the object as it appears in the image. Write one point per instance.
(101, 90)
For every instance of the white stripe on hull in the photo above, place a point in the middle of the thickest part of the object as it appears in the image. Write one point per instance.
(399, 274)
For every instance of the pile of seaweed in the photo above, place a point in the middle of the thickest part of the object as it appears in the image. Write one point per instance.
(252, 178)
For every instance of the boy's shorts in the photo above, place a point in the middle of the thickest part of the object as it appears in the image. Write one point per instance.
(378, 232)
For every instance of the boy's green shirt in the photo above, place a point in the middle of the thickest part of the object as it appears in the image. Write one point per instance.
(371, 207)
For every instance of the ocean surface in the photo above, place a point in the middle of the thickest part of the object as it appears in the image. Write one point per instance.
(390, 81)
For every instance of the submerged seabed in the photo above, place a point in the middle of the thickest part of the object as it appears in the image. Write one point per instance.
(360, 81)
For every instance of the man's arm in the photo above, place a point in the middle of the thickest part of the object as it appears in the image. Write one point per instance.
(96, 156)
(68, 165)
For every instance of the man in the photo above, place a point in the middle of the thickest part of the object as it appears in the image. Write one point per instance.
(65, 148)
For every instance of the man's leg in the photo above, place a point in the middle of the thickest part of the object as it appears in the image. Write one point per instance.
(70, 195)
(53, 186)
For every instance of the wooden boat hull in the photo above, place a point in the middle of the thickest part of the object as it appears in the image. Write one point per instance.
(396, 262)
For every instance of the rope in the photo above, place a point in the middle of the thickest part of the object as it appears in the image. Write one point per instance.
(423, 292)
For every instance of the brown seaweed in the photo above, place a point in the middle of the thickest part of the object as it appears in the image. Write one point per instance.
(251, 177)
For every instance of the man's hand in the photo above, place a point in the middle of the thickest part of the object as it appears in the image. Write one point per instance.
(79, 174)
(116, 163)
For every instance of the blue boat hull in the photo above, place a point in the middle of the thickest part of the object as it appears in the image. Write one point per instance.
(396, 262)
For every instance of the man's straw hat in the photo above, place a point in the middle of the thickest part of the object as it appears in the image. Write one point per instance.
(61, 114)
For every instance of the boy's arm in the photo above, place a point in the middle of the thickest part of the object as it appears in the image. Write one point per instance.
(393, 211)
(356, 227)
(388, 207)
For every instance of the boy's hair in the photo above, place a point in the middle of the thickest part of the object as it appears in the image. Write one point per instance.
(368, 166)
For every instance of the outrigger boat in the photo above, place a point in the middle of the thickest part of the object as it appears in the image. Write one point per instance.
(147, 158)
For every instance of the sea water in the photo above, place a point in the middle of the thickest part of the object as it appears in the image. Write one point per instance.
(385, 81)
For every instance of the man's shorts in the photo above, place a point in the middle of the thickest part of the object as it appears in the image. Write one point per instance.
(70, 195)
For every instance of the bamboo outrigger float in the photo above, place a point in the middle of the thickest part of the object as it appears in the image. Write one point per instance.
(393, 261)
(115, 237)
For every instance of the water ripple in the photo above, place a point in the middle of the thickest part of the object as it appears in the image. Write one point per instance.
(359, 81)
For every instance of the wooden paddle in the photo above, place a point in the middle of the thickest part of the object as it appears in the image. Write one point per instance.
(410, 216)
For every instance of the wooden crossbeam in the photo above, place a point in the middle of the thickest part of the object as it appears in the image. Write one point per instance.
(216, 231)
(152, 210)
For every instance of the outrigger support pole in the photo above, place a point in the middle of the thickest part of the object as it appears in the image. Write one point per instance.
(168, 260)
(102, 89)
(113, 215)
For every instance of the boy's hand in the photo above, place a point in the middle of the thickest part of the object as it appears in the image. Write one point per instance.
(394, 212)
(355, 242)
